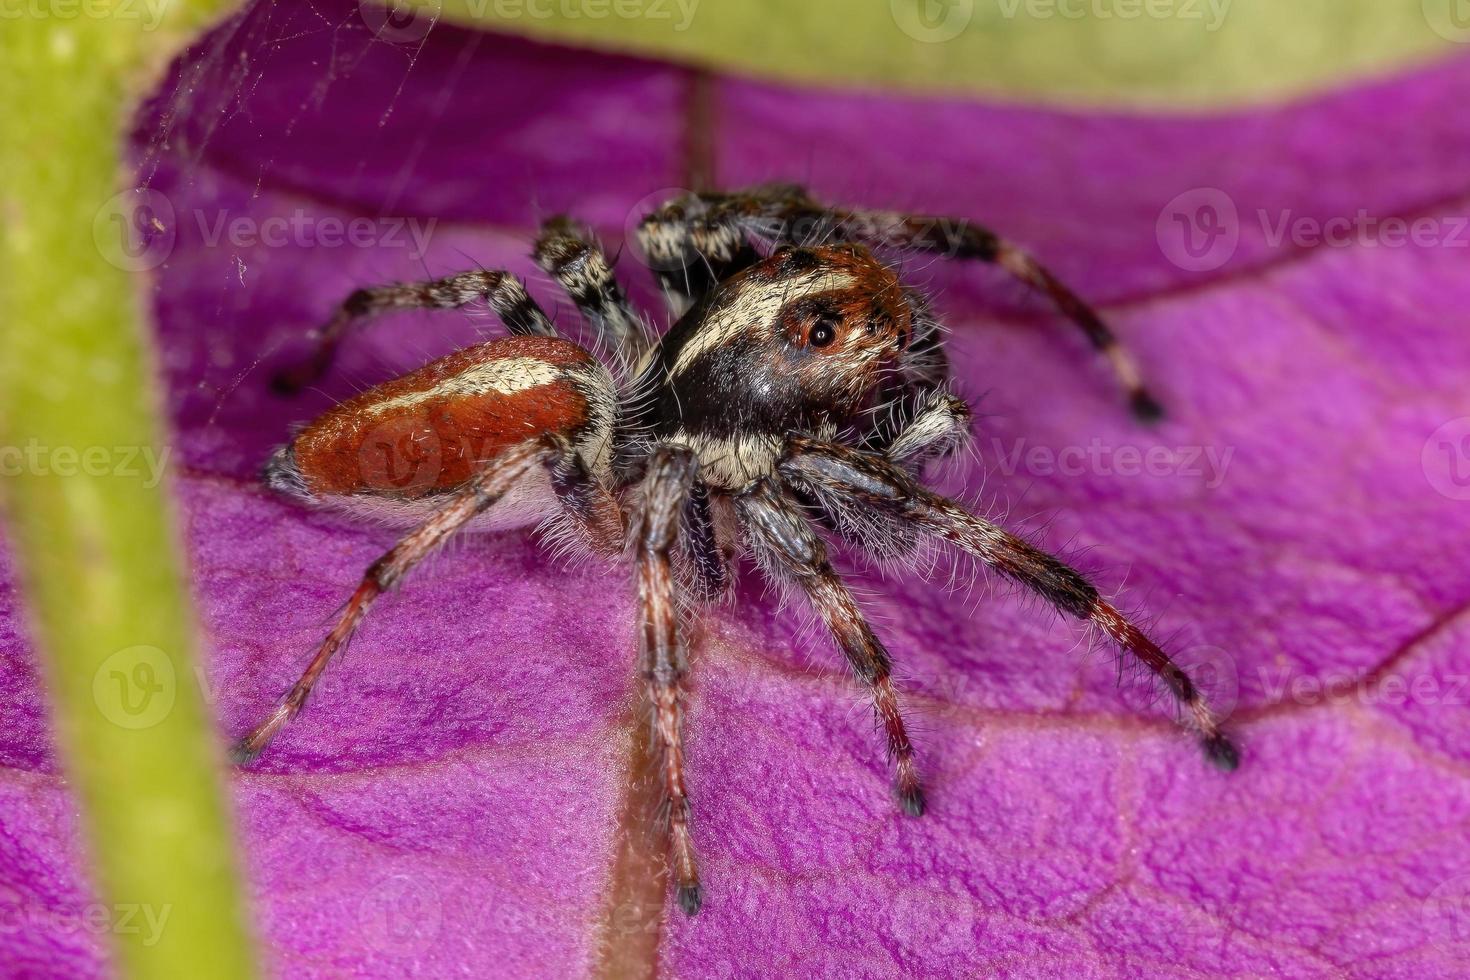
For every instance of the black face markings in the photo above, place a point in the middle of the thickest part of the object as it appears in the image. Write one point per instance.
(815, 321)
(731, 389)
(882, 322)
(795, 261)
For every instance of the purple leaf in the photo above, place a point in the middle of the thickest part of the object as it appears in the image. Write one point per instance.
(451, 802)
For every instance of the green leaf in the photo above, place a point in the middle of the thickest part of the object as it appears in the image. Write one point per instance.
(1139, 52)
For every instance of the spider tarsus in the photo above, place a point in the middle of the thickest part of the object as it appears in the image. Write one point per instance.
(1222, 752)
(242, 753)
(290, 382)
(911, 800)
(691, 899)
(1145, 406)
(294, 379)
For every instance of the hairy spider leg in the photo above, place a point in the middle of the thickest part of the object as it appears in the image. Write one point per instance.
(716, 231)
(671, 474)
(938, 427)
(593, 509)
(790, 547)
(848, 479)
(570, 254)
(932, 425)
(692, 246)
(961, 239)
(505, 293)
(482, 491)
(710, 558)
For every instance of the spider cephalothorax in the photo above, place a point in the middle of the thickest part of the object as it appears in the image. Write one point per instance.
(799, 342)
(798, 396)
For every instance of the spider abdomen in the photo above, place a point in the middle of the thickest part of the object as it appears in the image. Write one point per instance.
(429, 431)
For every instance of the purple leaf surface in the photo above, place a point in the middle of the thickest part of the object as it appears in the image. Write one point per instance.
(451, 802)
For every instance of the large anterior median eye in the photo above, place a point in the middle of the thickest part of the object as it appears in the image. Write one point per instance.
(823, 332)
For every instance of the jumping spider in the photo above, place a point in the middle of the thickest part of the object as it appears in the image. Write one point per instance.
(802, 387)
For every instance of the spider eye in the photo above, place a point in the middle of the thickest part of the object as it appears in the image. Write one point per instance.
(823, 333)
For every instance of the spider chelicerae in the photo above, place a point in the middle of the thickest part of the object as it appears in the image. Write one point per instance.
(799, 394)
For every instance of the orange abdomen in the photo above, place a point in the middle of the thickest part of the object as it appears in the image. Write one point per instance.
(428, 431)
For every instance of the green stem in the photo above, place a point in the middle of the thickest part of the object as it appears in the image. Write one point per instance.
(91, 528)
